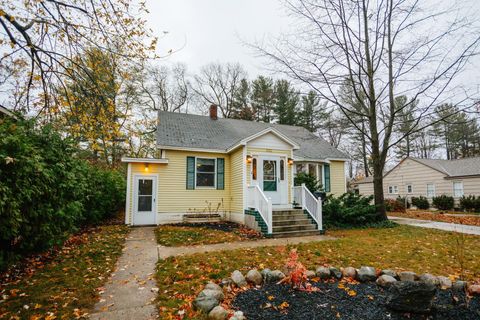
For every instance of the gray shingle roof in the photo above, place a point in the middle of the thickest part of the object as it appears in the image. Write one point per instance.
(201, 132)
(453, 168)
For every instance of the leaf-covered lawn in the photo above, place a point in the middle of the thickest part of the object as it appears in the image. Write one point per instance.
(435, 216)
(400, 248)
(208, 233)
(65, 287)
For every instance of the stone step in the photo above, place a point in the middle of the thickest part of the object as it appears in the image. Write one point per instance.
(303, 233)
(288, 222)
(294, 216)
(303, 227)
(284, 211)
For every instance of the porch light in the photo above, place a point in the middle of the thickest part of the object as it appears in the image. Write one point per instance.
(249, 159)
(146, 167)
(290, 161)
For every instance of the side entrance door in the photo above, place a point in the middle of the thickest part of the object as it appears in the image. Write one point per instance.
(144, 206)
(270, 178)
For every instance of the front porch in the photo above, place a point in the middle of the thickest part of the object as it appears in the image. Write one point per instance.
(300, 218)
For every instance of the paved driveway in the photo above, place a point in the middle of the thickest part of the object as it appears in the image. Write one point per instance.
(445, 226)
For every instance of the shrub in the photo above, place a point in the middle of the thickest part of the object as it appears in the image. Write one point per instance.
(349, 210)
(46, 193)
(443, 202)
(470, 203)
(310, 181)
(396, 205)
(421, 202)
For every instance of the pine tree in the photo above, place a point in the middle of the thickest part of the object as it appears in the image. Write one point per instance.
(262, 98)
(310, 115)
(406, 123)
(242, 108)
(286, 102)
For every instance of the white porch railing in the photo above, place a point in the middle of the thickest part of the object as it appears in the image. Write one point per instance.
(305, 199)
(257, 199)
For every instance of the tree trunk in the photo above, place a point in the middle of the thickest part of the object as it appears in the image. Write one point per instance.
(378, 188)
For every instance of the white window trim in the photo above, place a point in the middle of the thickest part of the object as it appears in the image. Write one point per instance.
(394, 189)
(453, 186)
(214, 173)
(411, 187)
(434, 190)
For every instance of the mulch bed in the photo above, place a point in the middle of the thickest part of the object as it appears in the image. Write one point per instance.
(331, 302)
(426, 215)
(226, 226)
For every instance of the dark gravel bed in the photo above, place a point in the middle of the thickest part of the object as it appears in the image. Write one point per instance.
(332, 302)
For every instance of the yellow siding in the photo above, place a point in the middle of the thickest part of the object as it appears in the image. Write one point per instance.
(236, 183)
(337, 177)
(172, 195)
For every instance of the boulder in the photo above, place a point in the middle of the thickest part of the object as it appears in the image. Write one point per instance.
(365, 274)
(410, 296)
(311, 274)
(238, 315)
(213, 286)
(349, 272)
(226, 282)
(205, 303)
(407, 276)
(266, 275)
(337, 274)
(385, 280)
(444, 282)
(389, 272)
(459, 285)
(217, 294)
(323, 273)
(474, 289)
(218, 313)
(238, 278)
(255, 277)
(277, 275)
(428, 278)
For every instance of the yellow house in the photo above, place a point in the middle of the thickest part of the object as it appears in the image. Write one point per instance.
(243, 170)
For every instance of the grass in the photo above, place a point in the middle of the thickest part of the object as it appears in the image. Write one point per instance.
(178, 235)
(400, 248)
(65, 287)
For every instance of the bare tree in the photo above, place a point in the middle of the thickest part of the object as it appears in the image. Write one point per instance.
(44, 36)
(218, 83)
(167, 88)
(380, 49)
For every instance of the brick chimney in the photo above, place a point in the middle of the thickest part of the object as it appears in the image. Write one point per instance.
(213, 112)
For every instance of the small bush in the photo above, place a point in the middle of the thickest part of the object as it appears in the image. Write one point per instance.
(421, 203)
(443, 202)
(396, 205)
(310, 181)
(349, 210)
(470, 203)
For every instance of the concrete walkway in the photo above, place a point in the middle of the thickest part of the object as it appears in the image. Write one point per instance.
(131, 290)
(165, 252)
(445, 226)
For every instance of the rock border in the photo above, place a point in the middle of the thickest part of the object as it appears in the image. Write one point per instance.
(209, 299)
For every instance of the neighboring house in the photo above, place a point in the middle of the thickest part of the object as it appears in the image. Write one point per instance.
(414, 177)
(4, 112)
(242, 167)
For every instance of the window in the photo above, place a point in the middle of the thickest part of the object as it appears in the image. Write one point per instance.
(205, 175)
(392, 189)
(409, 188)
(254, 169)
(145, 195)
(300, 167)
(458, 189)
(430, 190)
(282, 169)
(312, 169)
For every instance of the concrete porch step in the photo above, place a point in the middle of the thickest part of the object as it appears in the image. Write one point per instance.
(302, 233)
(288, 222)
(284, 211)
(289, 216)
(303, 227)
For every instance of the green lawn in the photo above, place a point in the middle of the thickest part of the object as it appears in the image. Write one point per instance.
(399, 248)
(178, 235)
(66, 287)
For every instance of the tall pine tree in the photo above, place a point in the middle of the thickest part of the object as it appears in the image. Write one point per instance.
(286, 102)
(262, 98)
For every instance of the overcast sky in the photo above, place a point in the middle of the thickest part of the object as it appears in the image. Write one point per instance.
(212, 30)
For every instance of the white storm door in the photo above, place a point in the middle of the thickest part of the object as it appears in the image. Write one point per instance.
(269, 178)
(145, 191)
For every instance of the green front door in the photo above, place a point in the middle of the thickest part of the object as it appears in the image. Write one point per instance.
(269, 175)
